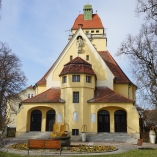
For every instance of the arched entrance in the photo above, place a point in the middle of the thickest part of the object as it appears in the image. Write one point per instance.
(120, 121)
(35, 120)
(103, 121)
(50, 120)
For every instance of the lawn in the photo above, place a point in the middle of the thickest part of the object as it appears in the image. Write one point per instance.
(132, 153)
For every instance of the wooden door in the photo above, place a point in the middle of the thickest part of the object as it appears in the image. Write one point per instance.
(103, 121)
(35, 120)
(120, 121)
(50, 120)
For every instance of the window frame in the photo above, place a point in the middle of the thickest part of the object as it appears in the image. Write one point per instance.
(76, 97)
(64, 79)
(88, 79)
(71, 58)
(75, 78)
(87, 57)
(97, 31)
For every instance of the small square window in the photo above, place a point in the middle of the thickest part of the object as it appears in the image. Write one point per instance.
(88, 79)
(75, 78)
(64, 79)
(97, 31)
(92, 31)
(87, 32)
(75, 97)
(87, 57)
(71, 58)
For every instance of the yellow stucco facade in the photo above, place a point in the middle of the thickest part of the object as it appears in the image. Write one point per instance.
(81, 102)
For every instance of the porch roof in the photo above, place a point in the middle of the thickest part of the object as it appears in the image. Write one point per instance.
(106, 95)
(51, 95)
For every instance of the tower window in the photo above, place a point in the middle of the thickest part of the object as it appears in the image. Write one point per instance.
(88, 79)
(64, 79)
(87, 57)
(75, 78)
(71, 57)
(75, 97)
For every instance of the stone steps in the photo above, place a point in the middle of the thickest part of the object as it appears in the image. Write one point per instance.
(97, 137)
(35, 135)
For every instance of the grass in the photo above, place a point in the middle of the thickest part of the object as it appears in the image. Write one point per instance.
(133, 153)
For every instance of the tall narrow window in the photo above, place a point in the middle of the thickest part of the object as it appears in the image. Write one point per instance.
(71, 57)
(28, 95)
(75, 78)
(87, 57)
(88, 79)
(31, 95)
(75, 97)
(64, 79)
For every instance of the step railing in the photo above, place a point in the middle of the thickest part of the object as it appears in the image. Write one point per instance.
(22, 131)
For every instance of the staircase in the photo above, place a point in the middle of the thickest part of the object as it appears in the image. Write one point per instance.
(111, 137)
(35, 135)
(99, 137)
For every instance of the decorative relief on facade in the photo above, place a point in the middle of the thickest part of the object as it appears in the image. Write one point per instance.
(59, 117)
(75, 116)
(93, 118)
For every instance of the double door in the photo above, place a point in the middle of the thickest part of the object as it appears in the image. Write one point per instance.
(103, 121)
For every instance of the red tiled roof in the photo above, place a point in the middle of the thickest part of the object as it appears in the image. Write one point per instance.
(51, 95)
(106, 95)
(30, 87)
(120, 76)
(88, 24)
(77, 65)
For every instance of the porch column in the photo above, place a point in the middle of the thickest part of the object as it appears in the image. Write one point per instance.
(43, 121)
(112, 121)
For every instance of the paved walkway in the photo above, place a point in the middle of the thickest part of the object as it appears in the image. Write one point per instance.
(122, 147)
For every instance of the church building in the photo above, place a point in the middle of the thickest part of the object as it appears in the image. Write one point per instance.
(84, 86)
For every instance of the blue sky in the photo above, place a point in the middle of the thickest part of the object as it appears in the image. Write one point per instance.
(36, 29)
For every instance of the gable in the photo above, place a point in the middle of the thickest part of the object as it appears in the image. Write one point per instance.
(103, 73)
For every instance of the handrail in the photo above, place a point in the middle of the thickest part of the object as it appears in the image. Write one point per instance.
(20, 131)
(84, 128)
(66, 124)
(132, 129)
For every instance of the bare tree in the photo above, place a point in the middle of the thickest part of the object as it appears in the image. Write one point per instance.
(12, 80)
(148, 8)
(141, 51)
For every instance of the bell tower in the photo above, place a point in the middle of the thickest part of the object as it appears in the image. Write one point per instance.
(88, 12)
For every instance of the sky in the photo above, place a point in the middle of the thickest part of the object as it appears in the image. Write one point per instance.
(37, 30)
